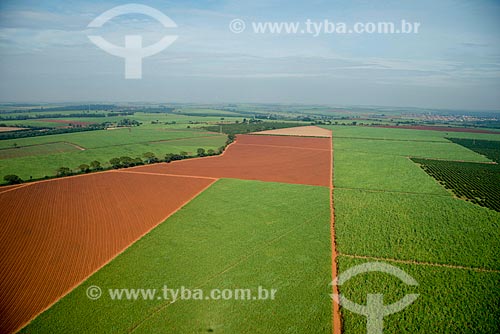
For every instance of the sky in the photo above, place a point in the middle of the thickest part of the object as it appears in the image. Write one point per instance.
(453, 62)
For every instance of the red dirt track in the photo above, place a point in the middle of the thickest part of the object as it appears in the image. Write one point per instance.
(265, 158)
(56, 233)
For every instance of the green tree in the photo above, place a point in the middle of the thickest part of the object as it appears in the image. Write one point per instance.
(210, 152)
(63, 171)
(150, 157)
(169, 157)
(12, 179)
(126, 161)
(115, 162)
(184, 153)
(96, 165)
(138, 161)
(84, 168)
(201, 152)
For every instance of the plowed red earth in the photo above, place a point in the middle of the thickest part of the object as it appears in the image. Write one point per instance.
(301, 131)
(54, 234)
(257, 157)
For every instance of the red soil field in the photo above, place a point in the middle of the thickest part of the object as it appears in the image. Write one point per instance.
(298, 160)
(437, 128)
(10, 187)
(56, 233)
(285, 141)
(306, 131)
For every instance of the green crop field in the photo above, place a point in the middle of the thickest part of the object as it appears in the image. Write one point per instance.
(37, 157)
(177, 120)
(206, 111)
(40, 149)
(488, 148)
(450, 300)
(107, 138)
(366, 132)
(360, 170)
(236, 234)
(418, 227)
(479, 183)
(388, 209)
(444, 150)
(40, 166)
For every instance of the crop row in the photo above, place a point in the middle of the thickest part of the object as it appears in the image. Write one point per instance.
(488, 148)
(475, 182)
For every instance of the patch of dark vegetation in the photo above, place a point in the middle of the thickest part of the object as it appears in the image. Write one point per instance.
(36, 132)
(475, 182)
(488, 148)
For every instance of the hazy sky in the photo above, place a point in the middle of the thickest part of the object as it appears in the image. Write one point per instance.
(453, 62)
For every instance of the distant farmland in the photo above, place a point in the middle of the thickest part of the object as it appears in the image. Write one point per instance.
(272, 210)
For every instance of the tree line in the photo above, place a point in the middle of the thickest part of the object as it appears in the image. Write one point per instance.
(126, 162)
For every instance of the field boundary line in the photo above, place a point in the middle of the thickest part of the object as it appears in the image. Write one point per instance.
(165, 174)
(468, 161)
(153, 142)
(180, 139)
(407, 156)
(14, 188)
(55, 179)
(190, 159)
(115, 256)
(81, 148)
(392, 191)
(291, 147)
(336, 315)
(239, 261)
(60, 178)
(430, 264)
(392, 139)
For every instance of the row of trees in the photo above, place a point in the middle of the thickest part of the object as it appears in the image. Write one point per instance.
(40, 131)
(125, 162)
